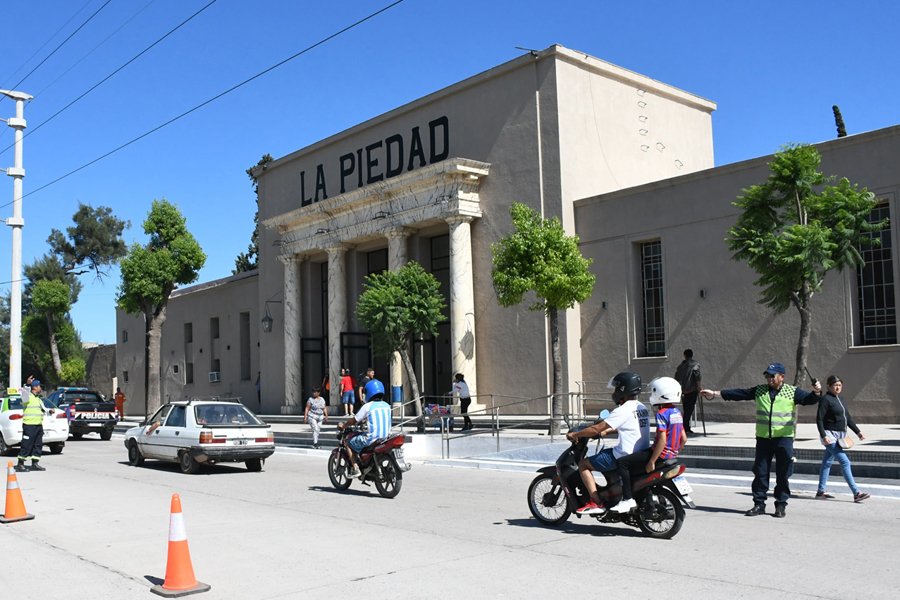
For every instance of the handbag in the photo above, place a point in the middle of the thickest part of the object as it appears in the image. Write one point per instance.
(845, 442)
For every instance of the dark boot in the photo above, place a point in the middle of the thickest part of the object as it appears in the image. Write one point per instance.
(779, 511)
(20, 467)
(36, 466)
(758, 509)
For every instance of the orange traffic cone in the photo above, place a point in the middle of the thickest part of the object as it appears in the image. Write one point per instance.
(180, 580)
(15, 506)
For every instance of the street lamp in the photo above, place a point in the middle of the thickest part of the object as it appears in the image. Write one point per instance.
(268, 320)
(17, 172)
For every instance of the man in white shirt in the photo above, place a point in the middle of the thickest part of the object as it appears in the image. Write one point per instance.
(631, 420)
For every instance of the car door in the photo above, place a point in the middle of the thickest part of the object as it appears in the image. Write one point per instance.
(171, 435)
(148, 439)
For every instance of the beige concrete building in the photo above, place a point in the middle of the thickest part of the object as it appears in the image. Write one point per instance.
(606, 150)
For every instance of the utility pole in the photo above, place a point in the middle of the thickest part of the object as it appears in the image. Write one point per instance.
(17, 172)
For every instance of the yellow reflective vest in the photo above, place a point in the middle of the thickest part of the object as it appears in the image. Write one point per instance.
(775, 416)
(33, 410)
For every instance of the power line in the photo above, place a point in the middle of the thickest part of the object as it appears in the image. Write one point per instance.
(62, 43)
(94, 49)
(56, 33)
(108, 77)
(214, 98)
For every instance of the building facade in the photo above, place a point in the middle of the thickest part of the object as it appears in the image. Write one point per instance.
(622, 160)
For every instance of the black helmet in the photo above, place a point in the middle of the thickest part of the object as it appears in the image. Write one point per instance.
(625, 384)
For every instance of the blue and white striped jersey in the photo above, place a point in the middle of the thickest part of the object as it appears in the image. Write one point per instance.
(377, 416)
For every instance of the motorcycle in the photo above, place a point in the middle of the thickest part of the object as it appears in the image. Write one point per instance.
(381, 462)
(661, 495)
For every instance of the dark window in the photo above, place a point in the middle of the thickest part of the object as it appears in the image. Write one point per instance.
(189, 372)
(124, 335)
(188, 333)
(125, 376)
(176, 417)
(875, 286)
(376, 261)
(652, 294)
(214, 328)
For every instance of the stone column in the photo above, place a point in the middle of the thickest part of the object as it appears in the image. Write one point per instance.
(337, 312)
(397, 238)
(293, 324)
(462, 301)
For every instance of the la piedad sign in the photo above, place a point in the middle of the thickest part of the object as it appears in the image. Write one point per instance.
(382, 159)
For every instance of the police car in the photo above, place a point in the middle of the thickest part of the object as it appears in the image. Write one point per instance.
(87, 411)
(194, 433)
(56, 425)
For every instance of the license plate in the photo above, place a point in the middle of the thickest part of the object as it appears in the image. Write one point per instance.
(682, 485)
(239, 442)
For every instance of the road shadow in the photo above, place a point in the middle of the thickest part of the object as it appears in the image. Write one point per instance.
(217, 469)
(350, 491)
(718, 509)
(154, 580)
(595, 529)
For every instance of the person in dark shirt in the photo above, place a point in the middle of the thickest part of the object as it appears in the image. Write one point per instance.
(833, 419)
(688, 375)
(775, 428)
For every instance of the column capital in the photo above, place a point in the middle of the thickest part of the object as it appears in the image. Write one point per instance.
(458, 219)
(338, 249)
(399, 232)
(287, 259)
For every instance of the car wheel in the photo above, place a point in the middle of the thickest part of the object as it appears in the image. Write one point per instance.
(106, 434)
(135, 458)
(188, 464)
(57, 447)
(77, 436)
(254, 465)
(5, 450)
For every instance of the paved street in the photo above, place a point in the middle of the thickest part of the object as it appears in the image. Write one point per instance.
(101, 532)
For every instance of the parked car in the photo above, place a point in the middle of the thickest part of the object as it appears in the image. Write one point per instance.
(87, 411)
(201, 432)
(56, 426)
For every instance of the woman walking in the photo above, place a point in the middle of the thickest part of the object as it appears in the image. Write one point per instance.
(833, 419)
(316, 414)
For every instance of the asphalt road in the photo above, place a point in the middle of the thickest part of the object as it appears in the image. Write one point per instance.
(101, 531)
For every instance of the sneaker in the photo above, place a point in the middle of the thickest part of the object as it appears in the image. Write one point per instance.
(823, 496)
(354, 472)
(624, 507)
(37, 467)
(860, 496)
(21, 468)
(591, 508)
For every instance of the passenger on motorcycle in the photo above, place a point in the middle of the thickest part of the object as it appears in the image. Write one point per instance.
(665, 392)
(631, 420)
(376, 413)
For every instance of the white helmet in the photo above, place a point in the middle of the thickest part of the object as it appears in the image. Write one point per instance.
(664, 390)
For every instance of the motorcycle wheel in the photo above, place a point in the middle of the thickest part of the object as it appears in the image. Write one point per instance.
(338, 469)
(660, 514)
(547, 501)
(391, 480)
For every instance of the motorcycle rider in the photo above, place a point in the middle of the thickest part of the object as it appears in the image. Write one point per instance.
(631, 420)
(671, 434)
(376, 413)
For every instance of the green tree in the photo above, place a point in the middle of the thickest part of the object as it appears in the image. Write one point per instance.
(839, 121)
(94, 243)
(150, 273)
(247, 261)
(539, 258)
(397, 306)
(795, 228)
(51, 299)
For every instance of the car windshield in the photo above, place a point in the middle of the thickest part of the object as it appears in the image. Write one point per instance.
(225, 414)
(80, 397)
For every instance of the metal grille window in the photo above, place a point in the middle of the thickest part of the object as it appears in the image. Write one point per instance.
(652, 294)
(875, 287)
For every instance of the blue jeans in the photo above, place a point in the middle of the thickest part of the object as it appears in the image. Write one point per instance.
(833, 451)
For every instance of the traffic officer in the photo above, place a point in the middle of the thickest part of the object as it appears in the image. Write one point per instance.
(32, 428)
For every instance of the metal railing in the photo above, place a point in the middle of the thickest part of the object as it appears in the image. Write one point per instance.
(503, 414)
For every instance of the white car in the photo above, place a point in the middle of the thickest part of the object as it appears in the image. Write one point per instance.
(56, 425)
(193, 433)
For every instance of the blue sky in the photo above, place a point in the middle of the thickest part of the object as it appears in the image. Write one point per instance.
(774, 69)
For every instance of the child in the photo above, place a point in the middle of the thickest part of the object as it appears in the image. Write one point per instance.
(316, 414)
(665, 392)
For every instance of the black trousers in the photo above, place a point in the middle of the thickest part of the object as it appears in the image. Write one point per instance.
(464, 409)
(32, 442)
(689, 401)
(782, 450)
(626, 464)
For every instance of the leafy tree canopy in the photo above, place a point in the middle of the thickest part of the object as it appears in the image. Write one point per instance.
(94, 242)
(247, 261)
(539, 257)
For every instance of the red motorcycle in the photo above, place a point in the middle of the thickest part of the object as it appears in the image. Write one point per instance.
(381, 462)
